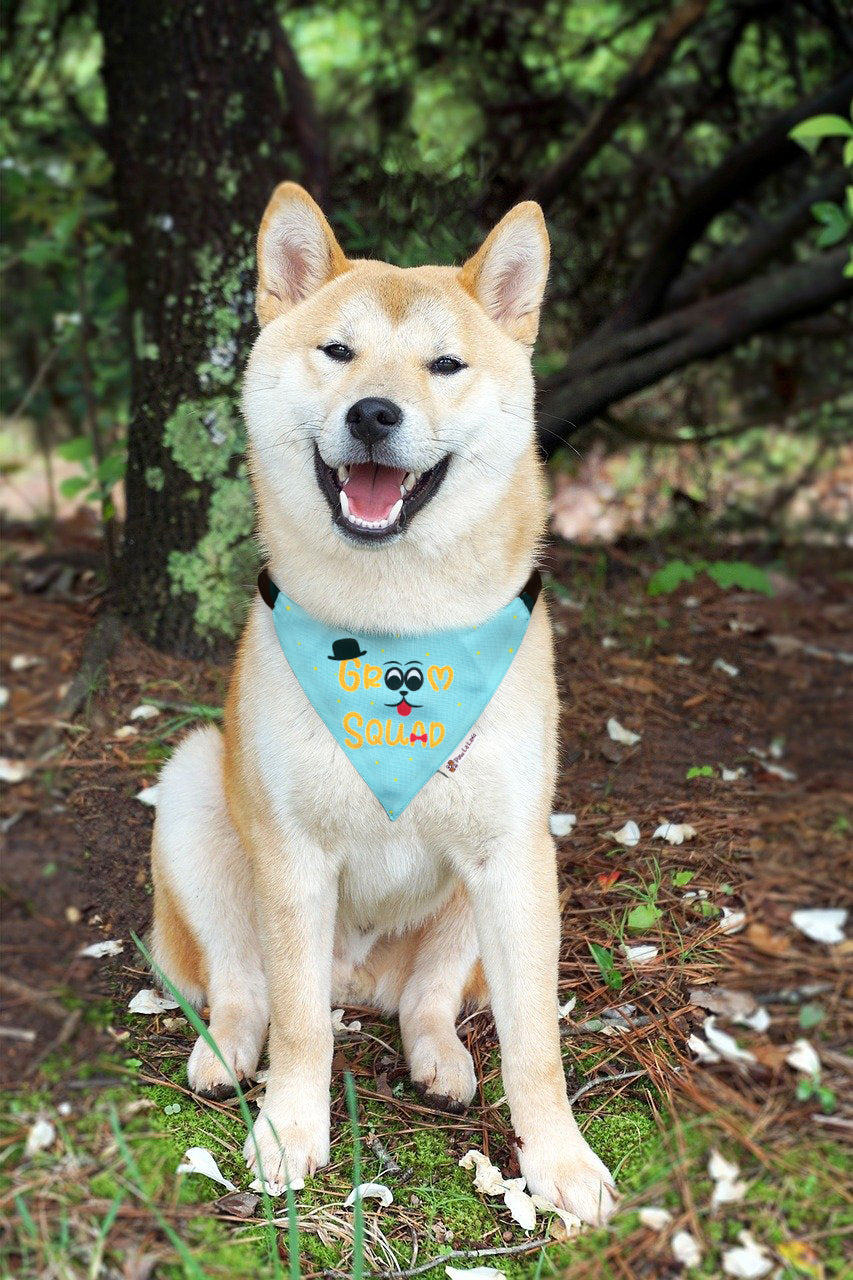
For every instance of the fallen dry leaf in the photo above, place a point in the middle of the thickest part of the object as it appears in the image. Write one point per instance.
(98, 949)
(748, 1260)
(803, 1057)
(369, 1191)
(561, 824)
(674, 832)
(41, 1135)
(629, 835)
(200, 1160)
(769, 944)
(655, 1219)
(620, 734)
(239, 1204)
(724, 1044)
(148, 1001)
(607, 879)
(821, 924)
(488, 1179)
(685, 1249)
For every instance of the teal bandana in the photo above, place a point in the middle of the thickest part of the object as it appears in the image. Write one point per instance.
(399, 706)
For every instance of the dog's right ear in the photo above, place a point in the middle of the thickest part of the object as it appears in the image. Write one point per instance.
(297, 252)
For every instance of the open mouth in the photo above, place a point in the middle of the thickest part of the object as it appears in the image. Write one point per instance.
(371, 502)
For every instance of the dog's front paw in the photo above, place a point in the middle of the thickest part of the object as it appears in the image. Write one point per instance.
(281, 1151)
(209, 1078)
(569, 1174)
(442, 1072)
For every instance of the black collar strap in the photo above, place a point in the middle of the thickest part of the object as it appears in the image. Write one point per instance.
(528, 595)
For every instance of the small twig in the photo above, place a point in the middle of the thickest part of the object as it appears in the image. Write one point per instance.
(455, 1256)
(66, 1031)
(30, 995)
(600, 1080)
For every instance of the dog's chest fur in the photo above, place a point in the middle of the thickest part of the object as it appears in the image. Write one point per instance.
(391, 875)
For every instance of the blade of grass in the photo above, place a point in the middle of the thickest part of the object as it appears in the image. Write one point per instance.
(104, 1230)
(166, 1227)
(195, 1021)
(358, 1207)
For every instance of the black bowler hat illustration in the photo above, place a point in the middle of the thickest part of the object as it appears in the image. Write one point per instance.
(344, 649)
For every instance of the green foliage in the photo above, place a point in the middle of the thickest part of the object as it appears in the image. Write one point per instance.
(836, 220)
(700, 771)
(604, 959)
(725, 573)
(97, 479)
(643, 917)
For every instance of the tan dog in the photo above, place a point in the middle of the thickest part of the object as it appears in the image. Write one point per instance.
(281, 886)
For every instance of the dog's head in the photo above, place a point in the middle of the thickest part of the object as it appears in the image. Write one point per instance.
(384, 404)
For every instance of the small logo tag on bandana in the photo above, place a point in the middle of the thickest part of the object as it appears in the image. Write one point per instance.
(400, 707)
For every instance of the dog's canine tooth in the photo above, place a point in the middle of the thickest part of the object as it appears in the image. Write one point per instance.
(343, 474)
(394, 512)
(345, 504)
(409, 482)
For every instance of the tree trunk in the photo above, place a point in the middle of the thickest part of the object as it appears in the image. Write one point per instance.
(195, 130)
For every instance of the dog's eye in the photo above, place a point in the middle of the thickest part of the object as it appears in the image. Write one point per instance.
(337, 351)
(447, 364)
(394, 679)
(414, 679)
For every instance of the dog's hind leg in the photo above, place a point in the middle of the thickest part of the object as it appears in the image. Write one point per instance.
(205, 936)
(444, 973)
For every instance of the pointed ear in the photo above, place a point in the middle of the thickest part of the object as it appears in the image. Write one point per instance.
(507, 274)
(297, 252)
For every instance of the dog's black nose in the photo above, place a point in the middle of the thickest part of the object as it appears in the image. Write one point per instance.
(371, 420)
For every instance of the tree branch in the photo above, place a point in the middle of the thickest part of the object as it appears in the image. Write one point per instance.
(637, 359)
(606, 119)
(739, 261)
(308, 132)
(741, 171)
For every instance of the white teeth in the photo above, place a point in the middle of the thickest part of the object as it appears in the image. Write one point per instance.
(409, 482)
(343, 474)
(371, 524)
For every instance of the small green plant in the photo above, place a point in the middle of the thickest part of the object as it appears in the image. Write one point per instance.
(96, 479)
(836, 220)
(725, 573)
(607, 967)
(681, 878)
(700, 771)
(810, 1089)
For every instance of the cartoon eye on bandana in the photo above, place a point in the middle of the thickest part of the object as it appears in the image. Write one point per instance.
(403, 680)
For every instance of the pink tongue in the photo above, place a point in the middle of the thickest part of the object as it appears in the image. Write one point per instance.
(372, 491)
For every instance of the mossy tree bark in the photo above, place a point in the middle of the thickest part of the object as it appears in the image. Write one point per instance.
(196, 136)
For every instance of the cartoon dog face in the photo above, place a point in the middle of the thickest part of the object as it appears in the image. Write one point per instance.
(385, 403)
(404, 681)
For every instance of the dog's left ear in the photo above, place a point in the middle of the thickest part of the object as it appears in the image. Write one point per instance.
(297, 251)
(507, 274)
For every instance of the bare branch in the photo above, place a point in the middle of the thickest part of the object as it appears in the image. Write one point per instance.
(742, 170)
(308, 132)
(606, 119)
(631, 361)
(739, 261)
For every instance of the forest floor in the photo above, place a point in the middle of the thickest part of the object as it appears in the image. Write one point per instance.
(713, 680)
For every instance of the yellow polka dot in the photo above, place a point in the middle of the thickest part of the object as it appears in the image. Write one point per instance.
(288, 608)
(411, 757)
(510, 652)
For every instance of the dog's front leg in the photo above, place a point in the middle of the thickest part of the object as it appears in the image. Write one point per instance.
(513, 890)
(297, 898)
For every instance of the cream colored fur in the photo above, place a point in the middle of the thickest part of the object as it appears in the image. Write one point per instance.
(280, 884)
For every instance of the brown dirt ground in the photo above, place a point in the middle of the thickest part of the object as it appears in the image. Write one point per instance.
(75, 866)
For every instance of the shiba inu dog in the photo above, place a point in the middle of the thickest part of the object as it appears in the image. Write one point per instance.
(392, 449)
